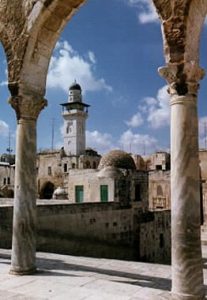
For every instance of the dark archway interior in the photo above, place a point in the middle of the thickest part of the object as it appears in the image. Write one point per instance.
(47, 191)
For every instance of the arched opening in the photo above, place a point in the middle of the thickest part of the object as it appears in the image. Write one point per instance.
(159, 191)
(47, 190)
(87, 164)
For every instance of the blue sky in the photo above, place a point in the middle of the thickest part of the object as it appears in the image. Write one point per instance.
(113, 49)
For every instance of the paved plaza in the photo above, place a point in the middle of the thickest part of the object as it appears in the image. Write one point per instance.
(82, 278)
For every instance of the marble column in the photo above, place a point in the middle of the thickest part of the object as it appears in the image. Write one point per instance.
(24, 213)
(187, 269)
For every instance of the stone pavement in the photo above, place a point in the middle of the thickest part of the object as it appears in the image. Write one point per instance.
(83, 278)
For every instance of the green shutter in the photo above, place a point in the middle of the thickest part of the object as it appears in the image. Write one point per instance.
(104, 193)
(79, 193)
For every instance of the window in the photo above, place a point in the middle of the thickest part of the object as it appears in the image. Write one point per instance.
(158, 167)
(4, 180)
(137, 192)
(159, 190)
(8, 180)
(73, 166)
(104, 193)
(49, 171)
(65, 168)
(79, 191)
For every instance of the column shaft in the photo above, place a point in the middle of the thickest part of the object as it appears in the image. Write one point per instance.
(187, 272)
(24, 215)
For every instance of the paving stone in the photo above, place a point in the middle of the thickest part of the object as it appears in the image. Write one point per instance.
(63, 277)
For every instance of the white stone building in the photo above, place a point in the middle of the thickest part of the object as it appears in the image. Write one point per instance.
(116, 179)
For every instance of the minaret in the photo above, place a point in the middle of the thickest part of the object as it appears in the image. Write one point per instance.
(75, 113)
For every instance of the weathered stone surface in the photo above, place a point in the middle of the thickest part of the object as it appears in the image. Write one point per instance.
(182, 22)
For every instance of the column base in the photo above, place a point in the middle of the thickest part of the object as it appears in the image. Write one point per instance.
(16, 271)
(176, 296)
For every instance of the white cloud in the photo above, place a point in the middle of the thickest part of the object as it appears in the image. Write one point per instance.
(159, 111)
(128, 141)
(67, 65)
(145, 10)
(137, 143)
(4, 128)
(203, 126)
(203, 132)
(5, 81)
(156, 111)
(135, 121)
(92, 57)
(101, 142)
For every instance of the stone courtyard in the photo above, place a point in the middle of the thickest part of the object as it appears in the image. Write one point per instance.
(84, 278)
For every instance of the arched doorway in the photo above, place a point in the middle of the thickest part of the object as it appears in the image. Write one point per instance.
(47, 190)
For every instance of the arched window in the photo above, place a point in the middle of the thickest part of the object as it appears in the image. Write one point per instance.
(159, 190)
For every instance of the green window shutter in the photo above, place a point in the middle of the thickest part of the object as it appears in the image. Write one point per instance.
(104, 193)
(79, 193)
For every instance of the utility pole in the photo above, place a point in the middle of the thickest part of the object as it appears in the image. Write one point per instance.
(9, 150)
(53, 133)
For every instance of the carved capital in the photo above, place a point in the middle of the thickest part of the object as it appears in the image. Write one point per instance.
(27, 108)
(183, 78)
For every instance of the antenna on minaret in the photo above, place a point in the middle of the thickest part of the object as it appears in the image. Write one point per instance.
(9, 150)
(144, 148)
(53, 133)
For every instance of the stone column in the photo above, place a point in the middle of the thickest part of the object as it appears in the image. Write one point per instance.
(187, 269)
(24, 214)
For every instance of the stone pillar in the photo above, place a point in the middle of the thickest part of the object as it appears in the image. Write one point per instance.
(24, 214)
(187, 269)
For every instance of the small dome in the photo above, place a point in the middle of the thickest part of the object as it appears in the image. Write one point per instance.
(59, 193)
(118, 159)
(75, 86)
(109, 172)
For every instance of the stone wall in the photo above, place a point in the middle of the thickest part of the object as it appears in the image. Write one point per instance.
(6, 179)
(96, 229)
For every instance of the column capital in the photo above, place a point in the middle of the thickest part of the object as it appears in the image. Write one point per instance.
(27, 108)
(183, 78)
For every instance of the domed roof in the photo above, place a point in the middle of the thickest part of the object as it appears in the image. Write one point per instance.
(109, 172)
(75, 86)
(117, 159)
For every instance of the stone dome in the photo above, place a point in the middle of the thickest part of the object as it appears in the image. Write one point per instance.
(75, 86)
(59, 193)
(118, 159)
(109, 172)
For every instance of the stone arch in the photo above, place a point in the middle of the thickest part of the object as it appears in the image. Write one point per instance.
(44, 31)
(180, 21)
(47, 190)
(87, 164)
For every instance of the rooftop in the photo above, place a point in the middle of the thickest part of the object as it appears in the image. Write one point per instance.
(117, 159)
(82, 278)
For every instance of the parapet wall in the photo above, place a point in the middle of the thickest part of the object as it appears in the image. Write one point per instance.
(96, 229)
